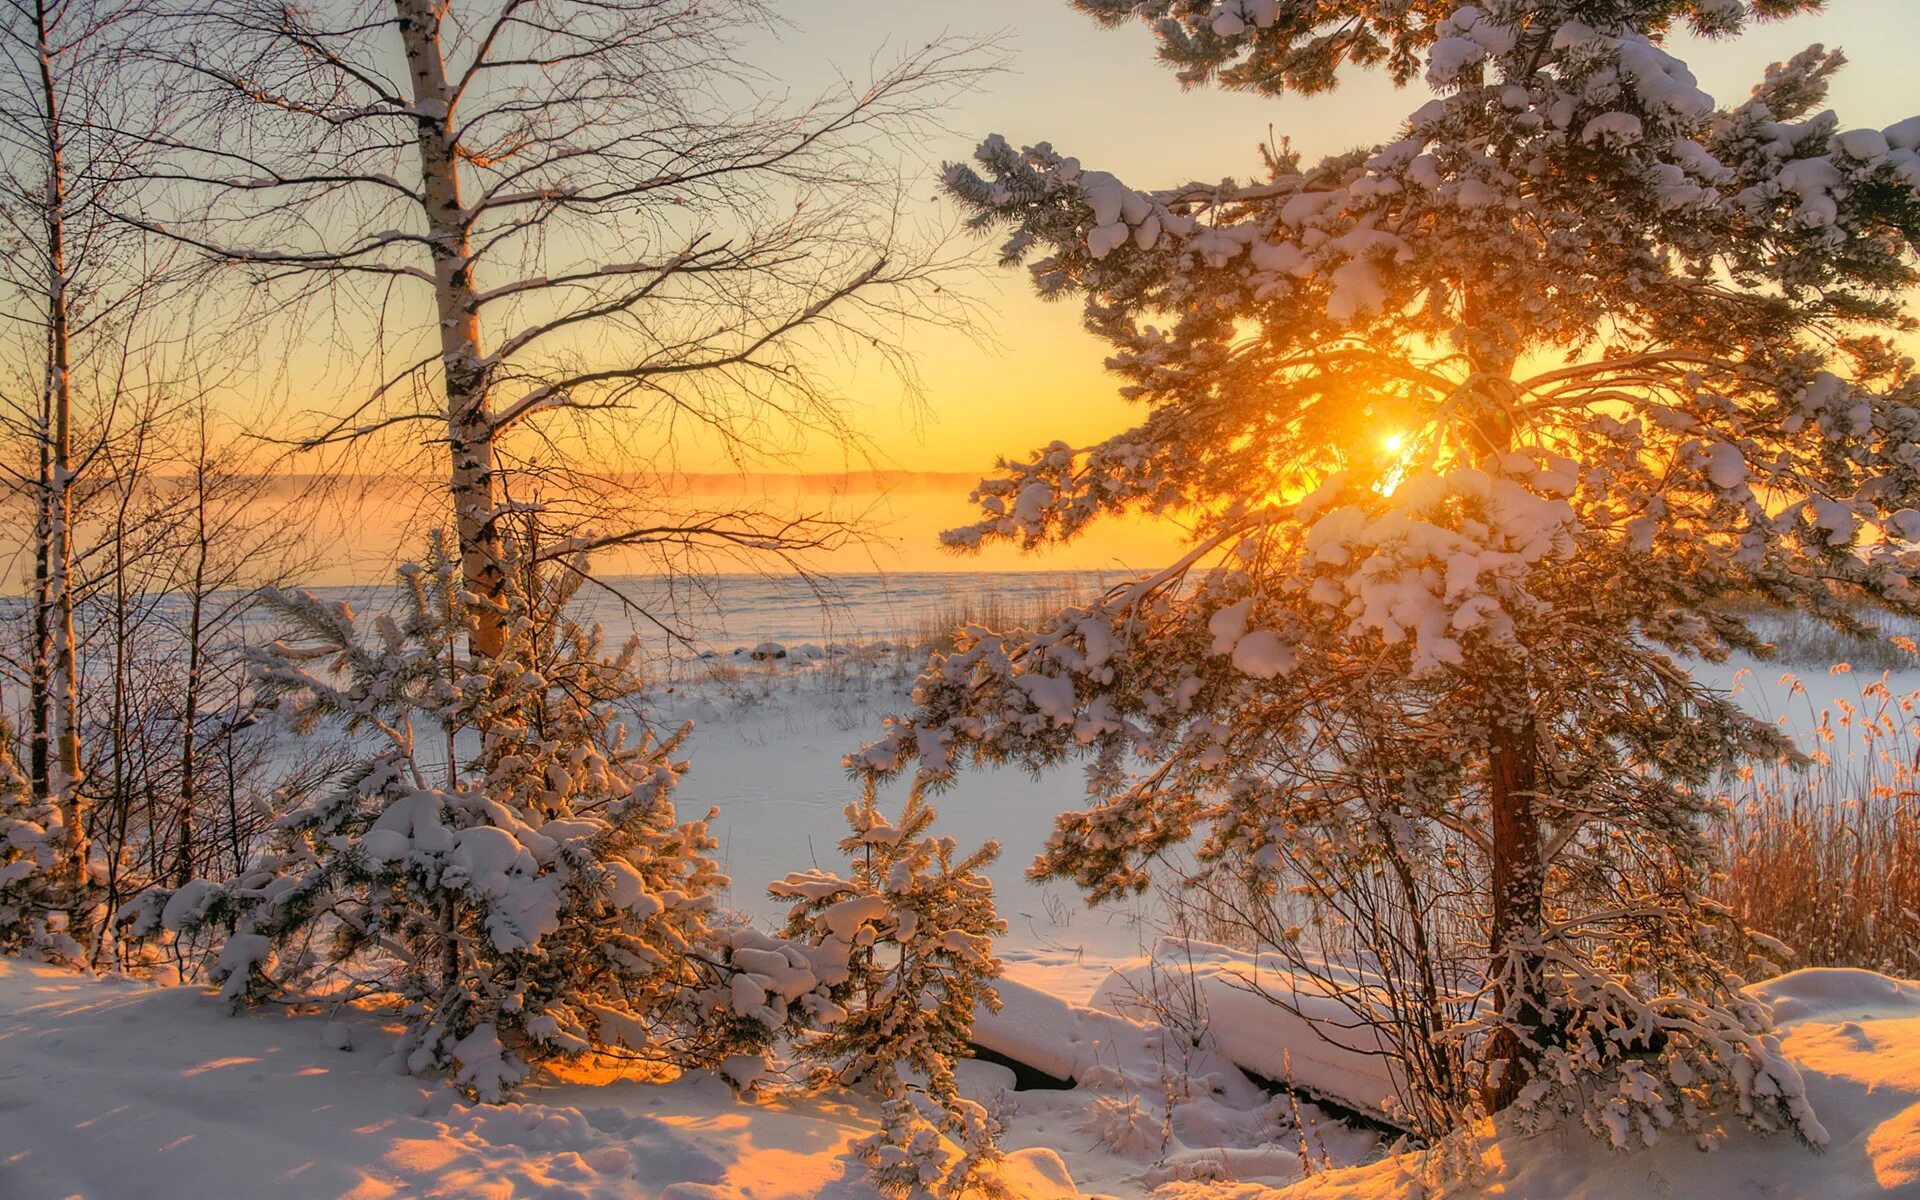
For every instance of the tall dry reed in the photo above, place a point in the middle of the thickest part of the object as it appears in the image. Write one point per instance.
(1826, 857)
(937, 628)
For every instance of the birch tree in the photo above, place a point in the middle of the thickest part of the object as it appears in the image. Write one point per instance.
(549, 213)
(1481, 424)
(77, 284)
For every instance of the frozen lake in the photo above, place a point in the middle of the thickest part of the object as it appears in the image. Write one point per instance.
(767, 747)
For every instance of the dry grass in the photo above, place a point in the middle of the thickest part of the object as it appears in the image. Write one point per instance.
(937, 629)
(1827, 858)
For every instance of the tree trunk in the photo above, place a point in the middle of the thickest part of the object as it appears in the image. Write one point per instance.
(40, 663)
(470, 430)
(64, 775)
(1517, 959)
(1516, 955)
(196, 658)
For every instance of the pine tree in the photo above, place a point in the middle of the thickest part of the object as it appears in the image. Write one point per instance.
(539, 898)
(903, 945)
(1479, 428)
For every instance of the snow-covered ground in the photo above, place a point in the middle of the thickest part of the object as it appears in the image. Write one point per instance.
(110, 1088)
(1855, 1037)
(114, 1089)
(766, 751)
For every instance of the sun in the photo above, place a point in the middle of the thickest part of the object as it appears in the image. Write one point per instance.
(1392, 443)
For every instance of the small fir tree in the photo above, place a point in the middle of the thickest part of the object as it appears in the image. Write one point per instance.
(505, 863)
(903, 947)
(1480, 427)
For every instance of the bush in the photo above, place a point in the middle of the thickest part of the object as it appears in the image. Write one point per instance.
(30, 920)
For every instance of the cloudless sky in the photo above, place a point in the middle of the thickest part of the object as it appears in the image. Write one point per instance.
(1031, 374)
(1102, 95)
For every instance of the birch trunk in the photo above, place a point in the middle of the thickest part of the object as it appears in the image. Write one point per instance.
(470, 428)
(40, 662)
(196, 660)
(64, 774)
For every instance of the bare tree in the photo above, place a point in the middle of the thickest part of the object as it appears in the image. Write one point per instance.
(77, 283)
(532, 214)
(236, 532)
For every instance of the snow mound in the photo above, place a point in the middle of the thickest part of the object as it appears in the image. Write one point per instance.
(1153, 1103)
(1095, 1047)
(1259, 1015)
(1855, 1037)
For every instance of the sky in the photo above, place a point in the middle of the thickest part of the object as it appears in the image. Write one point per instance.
(1028, 373)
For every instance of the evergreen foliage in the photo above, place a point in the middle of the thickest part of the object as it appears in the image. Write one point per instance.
(30, 922)
(505, 862)
(909, 931)
(1635, 353)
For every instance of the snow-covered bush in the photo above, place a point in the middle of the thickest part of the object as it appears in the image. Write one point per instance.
(1479, 429)
(505, 862)
(903, 945)
(30, 916)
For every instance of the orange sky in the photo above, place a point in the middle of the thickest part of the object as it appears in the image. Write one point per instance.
(1099, 94)
(1034, 374)
(1028, 373)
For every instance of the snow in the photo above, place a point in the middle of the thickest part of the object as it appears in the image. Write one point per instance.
(1855, 1037)
(1151, 1105)
(108, 1080)
(1614, 129)
(1356, 290)
(115, 1089)
(1726, 467)
(1302, 1040)
(1263, 655)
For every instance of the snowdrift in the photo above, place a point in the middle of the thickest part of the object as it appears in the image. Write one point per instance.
(1257, 1013)
(1854, 1035)
(1250, 1014)
(118, 1091)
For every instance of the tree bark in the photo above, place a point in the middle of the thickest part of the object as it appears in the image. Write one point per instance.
(1516, 960)
(196, 660)
(40, 664)
(1516, 955)
(63, 774)
(470, 428)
